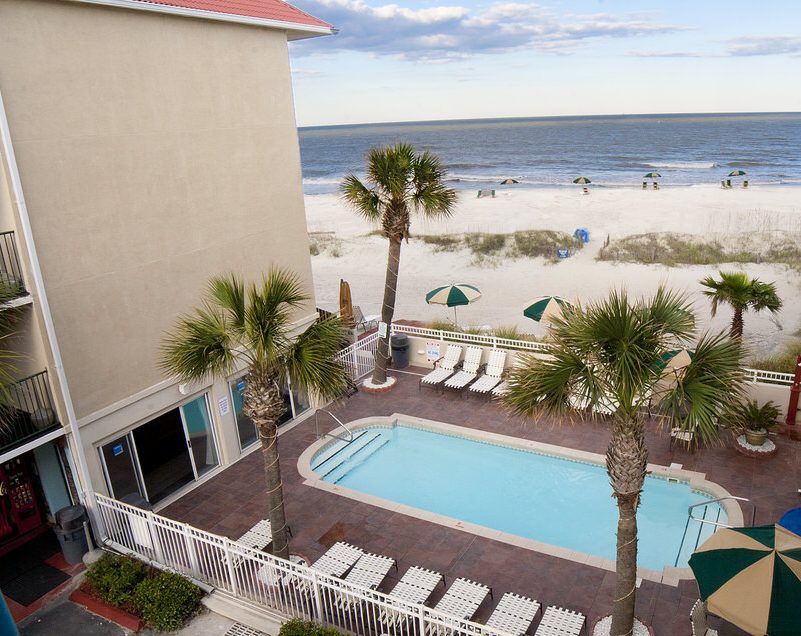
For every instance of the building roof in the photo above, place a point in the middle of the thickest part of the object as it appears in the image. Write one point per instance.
(270, 13)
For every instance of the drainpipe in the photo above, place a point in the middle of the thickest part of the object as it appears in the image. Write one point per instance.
(86, 494)
(792, 406)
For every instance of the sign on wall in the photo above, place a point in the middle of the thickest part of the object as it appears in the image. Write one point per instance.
(223, 405)
(432, 351)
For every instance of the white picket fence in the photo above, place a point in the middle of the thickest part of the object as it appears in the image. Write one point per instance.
(471, 338)
(359, 358)
(291, 590)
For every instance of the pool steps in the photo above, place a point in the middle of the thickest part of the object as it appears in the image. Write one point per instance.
(346, 452)
(337, 448)
(358, 458)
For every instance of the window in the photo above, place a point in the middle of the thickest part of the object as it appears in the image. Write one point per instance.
(296, 402)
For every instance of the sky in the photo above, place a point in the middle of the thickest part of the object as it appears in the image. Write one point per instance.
(411, 60)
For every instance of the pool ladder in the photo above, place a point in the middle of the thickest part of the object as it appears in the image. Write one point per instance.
(340, 424)
(716, 524)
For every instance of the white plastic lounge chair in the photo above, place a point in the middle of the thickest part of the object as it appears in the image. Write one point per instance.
(370, 570)
(362, 321)
(469, 372)
(698, 620)
(560, 622)
(492, 373)
(338, 559)
(445, 367)
(462, 600)
(514, 614)
(259, 536)
(416, 586)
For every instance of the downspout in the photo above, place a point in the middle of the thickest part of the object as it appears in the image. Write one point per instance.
(86, 494)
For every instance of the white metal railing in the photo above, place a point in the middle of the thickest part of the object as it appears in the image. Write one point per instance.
(768, 377)
(359, 358)
(481, 339)
(275, 584)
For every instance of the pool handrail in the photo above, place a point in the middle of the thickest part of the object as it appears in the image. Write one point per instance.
(340, 424)
(703, 520)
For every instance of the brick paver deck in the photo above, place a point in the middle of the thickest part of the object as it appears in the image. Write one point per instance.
(234, 500)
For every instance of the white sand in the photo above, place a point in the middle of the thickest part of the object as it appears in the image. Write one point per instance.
(506, 286)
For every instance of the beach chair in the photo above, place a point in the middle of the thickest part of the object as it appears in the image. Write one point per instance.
(493, 373)
(586, 190)
(369, 571)
(698, 620)
(644, 185)
(728, 183)
(444, 368)
(362, 321)
(679, 435)
(259, 536)
(462, 600)
(514, 614)
(656, 186)
(745, 183)
(469, 371)
(415, 587)
(338, 559)
(560, 622)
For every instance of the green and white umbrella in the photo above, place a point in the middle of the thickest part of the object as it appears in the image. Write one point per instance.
(546, 308)
(737, 173)
(582, 181)
(453, 296)
(652, 175)
(752, 578)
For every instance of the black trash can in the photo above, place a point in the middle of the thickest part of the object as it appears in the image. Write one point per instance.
(71, 533)
(400, 350)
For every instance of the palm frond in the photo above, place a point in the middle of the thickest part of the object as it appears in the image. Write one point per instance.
(311, 359)
(228, 293)
(764, 296)
(199, 346)
(366, 202)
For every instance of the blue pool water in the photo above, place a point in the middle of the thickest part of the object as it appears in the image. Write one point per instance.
(552, 500)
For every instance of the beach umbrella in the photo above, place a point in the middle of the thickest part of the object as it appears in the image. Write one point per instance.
(582, 181)
(546, 308)
(509, 181)
(752, 578)
(652, 175)
(792, 520)
(672, 365)
(453, 296)
(737, 173)
(345, 304)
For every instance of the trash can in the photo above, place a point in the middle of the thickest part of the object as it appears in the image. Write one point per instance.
(71, 533)
(400, 350)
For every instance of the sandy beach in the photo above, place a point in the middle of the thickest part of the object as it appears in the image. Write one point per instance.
(754, 216)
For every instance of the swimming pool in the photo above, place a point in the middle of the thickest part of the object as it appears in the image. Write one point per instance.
(555, 500)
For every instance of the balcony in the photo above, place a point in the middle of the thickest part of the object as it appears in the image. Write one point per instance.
(12, 285)
(26, 412)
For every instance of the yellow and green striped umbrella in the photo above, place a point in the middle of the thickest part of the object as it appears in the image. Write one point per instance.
(453, 295)
(737, 173)
(582, 181)
(652, 175)
(752, 578)
(546, 308)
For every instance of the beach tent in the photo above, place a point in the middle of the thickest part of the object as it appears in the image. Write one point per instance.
(751, 577)
(546, 308)
(509, 181)
(453, 296)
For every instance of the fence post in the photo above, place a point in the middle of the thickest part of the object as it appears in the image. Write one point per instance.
(155, 538)
(190, 550)
(421, 616)
(229, 564)
(318, 598)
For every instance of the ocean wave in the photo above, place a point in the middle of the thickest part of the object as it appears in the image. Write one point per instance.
(735, 164)
(321, 180)
(683, 165)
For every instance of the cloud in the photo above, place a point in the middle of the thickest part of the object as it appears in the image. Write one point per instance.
(668, 54)
(765, 45)
(445, 33)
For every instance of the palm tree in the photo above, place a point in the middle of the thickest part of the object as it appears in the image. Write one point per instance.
(743, 293)
(399, 182)
(236, 327)
(608, 356)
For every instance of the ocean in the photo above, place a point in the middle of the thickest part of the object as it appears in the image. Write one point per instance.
(552, 151)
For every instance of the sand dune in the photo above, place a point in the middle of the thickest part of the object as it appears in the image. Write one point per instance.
(707, 211)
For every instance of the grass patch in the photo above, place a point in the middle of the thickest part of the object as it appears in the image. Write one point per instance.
(782, 362)
(324, 242)
(509, 332)
(672, 249)
(488, 247)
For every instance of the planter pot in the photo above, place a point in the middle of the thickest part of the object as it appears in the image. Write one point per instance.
(756, 438)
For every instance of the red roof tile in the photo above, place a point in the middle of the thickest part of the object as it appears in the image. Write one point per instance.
(259, 9)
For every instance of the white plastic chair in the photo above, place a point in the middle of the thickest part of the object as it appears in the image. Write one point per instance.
(469, 371)
(493, 373)
(514, 614)
(445, 367)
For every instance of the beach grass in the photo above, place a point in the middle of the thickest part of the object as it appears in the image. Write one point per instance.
(489, 248)
(672, 249)
(325, 242)
(782, 362)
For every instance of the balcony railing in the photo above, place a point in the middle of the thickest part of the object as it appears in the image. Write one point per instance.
(10, 269)
(26, 412)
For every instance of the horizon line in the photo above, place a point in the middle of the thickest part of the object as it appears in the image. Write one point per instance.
(534, 117)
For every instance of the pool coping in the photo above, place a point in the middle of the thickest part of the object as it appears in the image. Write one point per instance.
(668, 576)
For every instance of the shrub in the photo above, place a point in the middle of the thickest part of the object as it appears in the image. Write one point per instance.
(297, 627)
(485, 244)
(533, 243)
(166, 600)
(442, 242)
(511, 332)
(782, 362)
(113, 578)
(444, 325)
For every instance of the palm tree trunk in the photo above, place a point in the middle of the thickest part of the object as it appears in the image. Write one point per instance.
(264, 405)
(387, 310)
(626, 461)
(737, 323)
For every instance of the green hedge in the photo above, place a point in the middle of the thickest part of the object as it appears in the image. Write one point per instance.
(297, 627)
(163, 599)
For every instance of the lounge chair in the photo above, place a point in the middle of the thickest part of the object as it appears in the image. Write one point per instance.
(728, 183)
(679, 435)
(514, 614)
(362, 321)
(370, 570)
(656, 186)
(745, 183)
(586, 190)
(644, 185)
(493, 373)
(338, 559)
(698, 620)
(259, 536)
(444, 368)
(415, 587)
(469, 371)
(560, 622)
(462, 600)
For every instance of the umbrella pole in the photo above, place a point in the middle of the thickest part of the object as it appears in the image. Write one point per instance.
(455, 320)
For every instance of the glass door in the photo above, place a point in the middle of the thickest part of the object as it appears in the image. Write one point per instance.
(199, 435)
(120, 466)
(245, 427)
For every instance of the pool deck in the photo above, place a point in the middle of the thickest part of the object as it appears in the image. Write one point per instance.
(233, 500)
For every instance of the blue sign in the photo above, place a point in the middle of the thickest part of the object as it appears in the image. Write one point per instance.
(117, 450)
(240, 386)
(562, 253)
